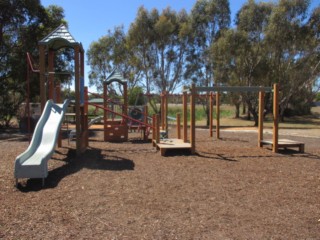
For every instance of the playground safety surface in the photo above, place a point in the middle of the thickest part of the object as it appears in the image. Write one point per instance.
(230, 189)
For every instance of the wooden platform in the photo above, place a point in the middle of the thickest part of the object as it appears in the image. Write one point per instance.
(171, 143)
(285, 143)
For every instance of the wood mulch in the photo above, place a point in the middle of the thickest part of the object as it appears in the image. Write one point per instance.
(230, 189)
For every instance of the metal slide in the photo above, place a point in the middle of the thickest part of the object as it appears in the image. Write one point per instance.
(33, 163)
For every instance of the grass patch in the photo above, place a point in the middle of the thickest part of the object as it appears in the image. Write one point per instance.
(227, 113)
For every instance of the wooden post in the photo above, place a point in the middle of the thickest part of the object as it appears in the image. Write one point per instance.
(162, 109)
(157, 128)
(105, 114)
(275, 117)
(86, 100)
(218, 115)
(211, 115)
(86, 109)
(178, 126)
(185, 117)
(154, 131)
(58, 100)
(51, 75)
(145, 136)
(42, 76)
(193, 120)
(261, 116)
(77, 102)
(166, 113)
(125, 102)
(125, 110)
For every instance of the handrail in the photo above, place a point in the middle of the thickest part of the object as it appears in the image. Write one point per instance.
(108, 100)
(30, 63)
(120, 114)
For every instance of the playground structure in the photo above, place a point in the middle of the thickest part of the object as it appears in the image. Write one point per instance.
(33, 162)
(190, 145)
(116, 130)
(119, 118)
(57, 39)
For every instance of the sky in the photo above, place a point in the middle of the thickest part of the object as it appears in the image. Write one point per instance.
(90, 20)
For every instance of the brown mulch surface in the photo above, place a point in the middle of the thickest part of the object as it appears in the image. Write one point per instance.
(230, 189)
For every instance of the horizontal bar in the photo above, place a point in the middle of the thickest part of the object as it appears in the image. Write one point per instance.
(234, 89)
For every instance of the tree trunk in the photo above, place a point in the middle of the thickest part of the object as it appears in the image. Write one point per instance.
(237, 115)
(248, 116)
(244, 110)
(208, 116)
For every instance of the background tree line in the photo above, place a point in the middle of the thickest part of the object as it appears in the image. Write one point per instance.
(273, 42)
(270, 42)
(22, 24)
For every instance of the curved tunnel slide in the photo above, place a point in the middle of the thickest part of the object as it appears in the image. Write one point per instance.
(33, 163)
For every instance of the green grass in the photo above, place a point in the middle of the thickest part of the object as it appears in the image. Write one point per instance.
(174, 109)
(227, 113)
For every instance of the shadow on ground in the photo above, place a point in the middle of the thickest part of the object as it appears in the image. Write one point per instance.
(91, 159)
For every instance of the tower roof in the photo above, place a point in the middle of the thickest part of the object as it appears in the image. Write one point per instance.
(115, 76)
(59, 38)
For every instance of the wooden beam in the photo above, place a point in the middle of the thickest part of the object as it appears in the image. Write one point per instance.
(185, 116)
(125, 109)
(105, 114)
(234, 89)
(154, 131)
(178, 126)
(166, 113)
(261, 117)
(211, 115)
(162, 109)
(51, 76)
(86, 109)
(145, 113)
(275, 117)
(157, 128)
(42, 69)
(218, 115)
(77, 102)
(193, 120)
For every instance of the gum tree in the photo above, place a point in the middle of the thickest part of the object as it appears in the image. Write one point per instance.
(292, 38)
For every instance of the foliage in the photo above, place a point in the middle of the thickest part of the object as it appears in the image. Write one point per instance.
(108, 53)
(22, 26)
(136, 97)
(208, 19)
(159, 43)
(272, 43)
(293, 47)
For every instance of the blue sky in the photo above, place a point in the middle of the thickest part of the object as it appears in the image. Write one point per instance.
(90, 20)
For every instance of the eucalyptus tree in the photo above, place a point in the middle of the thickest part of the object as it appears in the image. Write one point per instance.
(252, 67)
(111, 52)
(158, 41)
(170, 49)
(102, 56)
(240, 57)
(293, 48)
(21, 27)
(140, 39)
(208, 19)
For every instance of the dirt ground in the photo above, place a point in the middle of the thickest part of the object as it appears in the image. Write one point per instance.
(230, 189)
